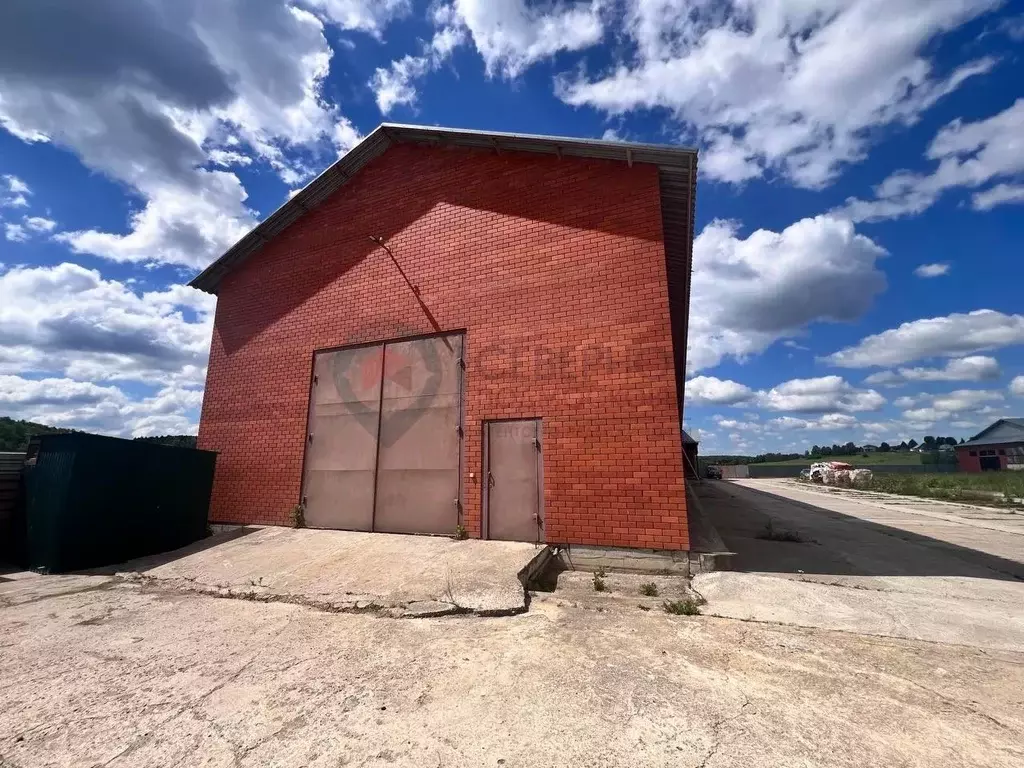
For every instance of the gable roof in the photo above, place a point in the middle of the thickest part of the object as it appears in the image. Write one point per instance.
(1002, 431)
(687, 440)
(678, 166)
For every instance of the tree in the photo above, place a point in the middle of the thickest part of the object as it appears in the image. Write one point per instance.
(15, 434)
(952, 440)
(815, 450)
(929, 442)
(884, 448)
(912, 443)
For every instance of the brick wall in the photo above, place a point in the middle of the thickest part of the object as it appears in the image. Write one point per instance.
(556, 271)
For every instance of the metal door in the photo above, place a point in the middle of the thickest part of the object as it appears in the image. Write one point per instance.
(420, 436)
(342, 441)
(990, 463)
(385, 437)
(513, 468)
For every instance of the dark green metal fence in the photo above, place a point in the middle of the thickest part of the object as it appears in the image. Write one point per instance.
(93, 500)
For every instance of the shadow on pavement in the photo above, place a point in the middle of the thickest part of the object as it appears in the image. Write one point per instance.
(836, 543)
(145, 563)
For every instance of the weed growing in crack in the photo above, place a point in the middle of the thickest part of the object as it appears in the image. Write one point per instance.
(689, 606)
(599, 585)
(649, 589)
(460, 532)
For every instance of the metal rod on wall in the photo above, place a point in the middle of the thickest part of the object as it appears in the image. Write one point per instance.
(379, 241)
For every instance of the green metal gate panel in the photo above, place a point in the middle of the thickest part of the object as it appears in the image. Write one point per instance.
(93, 500)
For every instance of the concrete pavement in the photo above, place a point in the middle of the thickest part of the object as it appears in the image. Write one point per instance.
(125, 676)
(886, 566)
(345, 570)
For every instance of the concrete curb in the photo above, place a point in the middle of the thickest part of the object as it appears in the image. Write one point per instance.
(708, 551)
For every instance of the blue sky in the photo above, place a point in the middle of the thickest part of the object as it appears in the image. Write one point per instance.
(858, 267)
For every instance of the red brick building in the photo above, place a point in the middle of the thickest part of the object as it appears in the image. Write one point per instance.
(999, 446)
(455, 328)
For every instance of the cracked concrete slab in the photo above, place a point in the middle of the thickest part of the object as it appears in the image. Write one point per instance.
(892, 613)
(345, 571)
(122, 676)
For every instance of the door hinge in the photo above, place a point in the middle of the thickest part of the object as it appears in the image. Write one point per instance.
(311, 437)
(460, 362)
(316, 380)
(458, 430)
(536, 443)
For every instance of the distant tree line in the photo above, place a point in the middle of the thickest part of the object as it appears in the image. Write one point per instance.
(15, 435)
(930, 443)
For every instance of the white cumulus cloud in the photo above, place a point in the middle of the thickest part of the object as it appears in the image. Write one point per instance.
(953, 335)
(972, 368)
(749, 292)
(510, 36)
(707, 390)
(13, 192)
(932, 270)
(818, 395)
(792, 85)
(969, 156)
(152, 94)
(66, 321)
(958, 405)
(513, 34)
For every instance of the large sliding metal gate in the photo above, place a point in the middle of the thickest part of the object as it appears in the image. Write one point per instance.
(385, 432)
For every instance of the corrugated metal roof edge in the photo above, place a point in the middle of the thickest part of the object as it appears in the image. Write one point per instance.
(387, 134)
(977, 439)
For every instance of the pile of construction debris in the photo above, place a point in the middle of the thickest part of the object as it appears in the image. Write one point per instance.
(837, 473)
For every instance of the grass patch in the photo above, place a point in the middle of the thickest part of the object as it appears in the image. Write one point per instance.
(771, 533)
(649, 589)
(688, 606)
(965, 486)
(461, 534)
